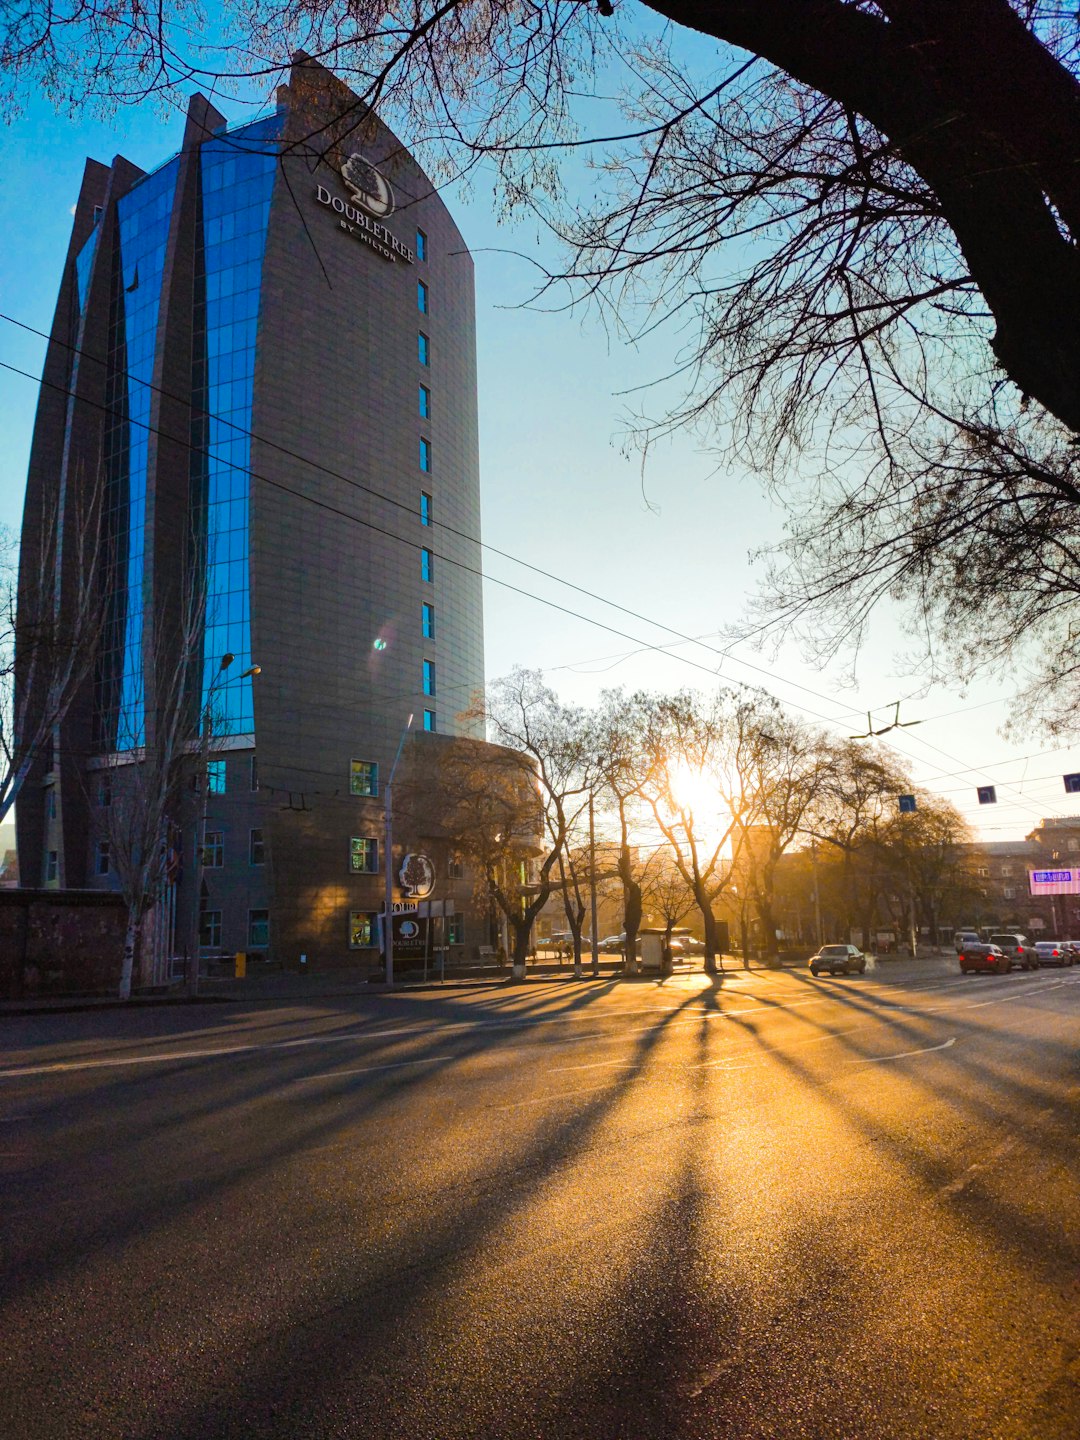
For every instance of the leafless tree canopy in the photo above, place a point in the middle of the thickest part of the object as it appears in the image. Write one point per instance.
(860, 218)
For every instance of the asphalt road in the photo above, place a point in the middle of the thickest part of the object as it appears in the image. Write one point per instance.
(769, 1207)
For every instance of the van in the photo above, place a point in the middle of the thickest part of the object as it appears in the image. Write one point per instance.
(965, 937)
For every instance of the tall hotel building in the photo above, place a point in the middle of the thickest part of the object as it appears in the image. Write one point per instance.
(263, 356)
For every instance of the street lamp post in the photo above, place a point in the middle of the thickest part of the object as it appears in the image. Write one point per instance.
(200, 829)
(388, 862)
(592, 890)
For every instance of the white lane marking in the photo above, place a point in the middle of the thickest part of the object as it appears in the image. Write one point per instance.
(724, 1064)
(457, 1027)
(600, 1065)
(963, 1181)
(370, 1069)
(903, 1054)
(547, 1099)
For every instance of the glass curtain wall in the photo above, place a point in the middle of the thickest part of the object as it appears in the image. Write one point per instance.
(142, 231)
(236, 179)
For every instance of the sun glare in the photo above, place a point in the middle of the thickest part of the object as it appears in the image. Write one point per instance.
(696, 792)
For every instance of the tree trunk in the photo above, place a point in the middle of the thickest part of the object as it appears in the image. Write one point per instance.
(708, 921)
(631, 910)
(128, 965)
(521, 948)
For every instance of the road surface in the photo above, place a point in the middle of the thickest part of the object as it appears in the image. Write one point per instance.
(766, 1207)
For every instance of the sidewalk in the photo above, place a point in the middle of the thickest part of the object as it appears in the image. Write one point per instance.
(293, 986)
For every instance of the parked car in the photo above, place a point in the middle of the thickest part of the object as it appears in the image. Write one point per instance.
(1054, 952)
(838, 960)
(612, 944)
(990, 959)
(1018, 948)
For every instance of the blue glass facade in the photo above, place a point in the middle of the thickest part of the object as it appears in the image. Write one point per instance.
(143, 217)
(236, 179)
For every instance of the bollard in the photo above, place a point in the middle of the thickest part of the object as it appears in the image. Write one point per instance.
(241, 965)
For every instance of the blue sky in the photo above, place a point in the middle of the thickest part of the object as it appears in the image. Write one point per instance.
(670, 542)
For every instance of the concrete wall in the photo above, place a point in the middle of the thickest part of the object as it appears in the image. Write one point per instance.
(60, 942)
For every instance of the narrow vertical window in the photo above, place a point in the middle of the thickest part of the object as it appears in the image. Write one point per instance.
(52, 865)
(429, 677)
(421, 297)
(215, 777)
(429, 719)
(422, 348)
(421, 245)
(102, 858)
(256, 848)
(427, 615)
(254, 772)
(427, 564)
(258, 929)
(425, 403)
(425, 508)
(425, 455)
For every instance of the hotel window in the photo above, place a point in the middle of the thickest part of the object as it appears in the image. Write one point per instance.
(258, 929)
(1006, 870)
(363, 777)
(254, 772)
(101, 857)
(1072, 844)
(428, 616)
(423, 349)
(421, 297)
(429, 719)
(429, 677)
(425, 403)
(363, 855)
(51, 807)
(421, 245)
(455, 868)
(425, 507)
(1009, 892)
(210, 929)
(213, 850)
(983, 872)
(256, 848)
(215, 777)
(454, 930)
(104, 794)
(427, 564)
(361, 930)
(425, 455)
(52, 865)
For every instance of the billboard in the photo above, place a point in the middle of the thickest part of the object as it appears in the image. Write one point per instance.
(1054, 882)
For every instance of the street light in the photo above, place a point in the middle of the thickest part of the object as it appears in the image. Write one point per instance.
(200, 829)
(388, 861)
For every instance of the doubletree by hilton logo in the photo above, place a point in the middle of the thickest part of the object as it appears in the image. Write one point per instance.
(368, 187)
(374, 202)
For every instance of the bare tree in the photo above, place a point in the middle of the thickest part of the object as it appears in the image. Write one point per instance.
(149, 780)
(510, 807)
(863, 215)
(51, 616)
(691, 781)
(780, 766)
(616, 741)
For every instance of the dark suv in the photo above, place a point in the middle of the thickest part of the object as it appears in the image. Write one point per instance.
(838, 960)
(1018, 948)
